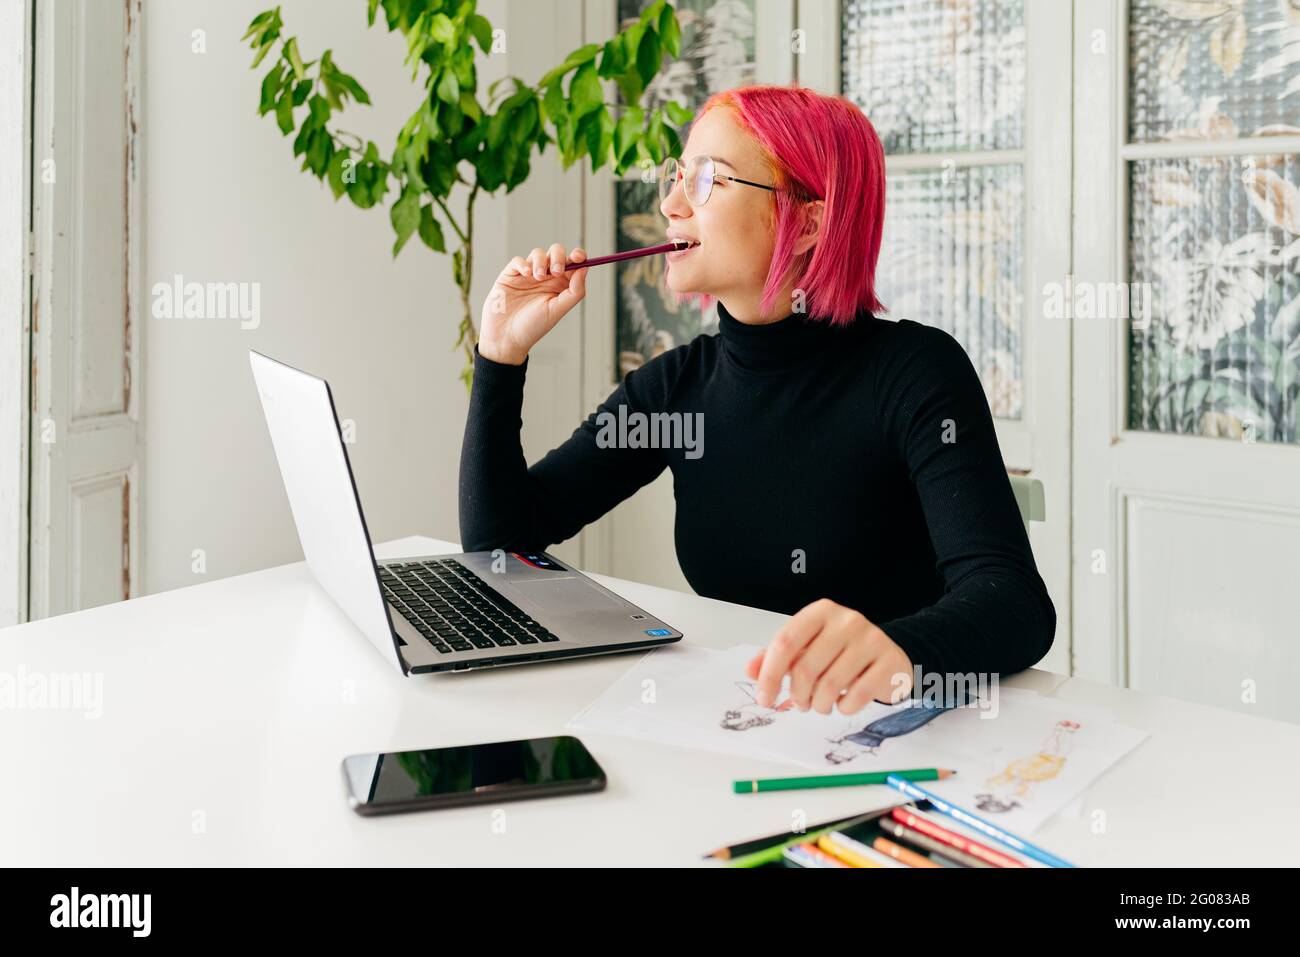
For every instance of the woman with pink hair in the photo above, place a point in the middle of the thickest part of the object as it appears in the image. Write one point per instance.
(851, 475)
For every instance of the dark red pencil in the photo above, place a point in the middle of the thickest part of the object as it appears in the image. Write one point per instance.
(674, 246)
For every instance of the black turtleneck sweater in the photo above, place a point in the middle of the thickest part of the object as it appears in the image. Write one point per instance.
(858, 464)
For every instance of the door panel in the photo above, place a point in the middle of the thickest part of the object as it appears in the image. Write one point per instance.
(15, 304)
(86, 312)
(1188, 472)
(1192, 608)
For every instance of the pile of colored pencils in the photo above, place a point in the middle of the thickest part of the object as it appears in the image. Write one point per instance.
(926, 831)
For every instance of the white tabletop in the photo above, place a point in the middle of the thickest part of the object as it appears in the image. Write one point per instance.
(227, 707)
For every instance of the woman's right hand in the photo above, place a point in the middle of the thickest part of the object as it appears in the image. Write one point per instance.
(530, 296)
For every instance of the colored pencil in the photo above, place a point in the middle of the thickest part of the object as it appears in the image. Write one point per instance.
(957, 827)
(946, 836)
(759, 785)
(772, 850)
(901, 854)
(674, 246)
(852, 852)
(732, 851)
(807, 854)
(907, 835)
(978, 823)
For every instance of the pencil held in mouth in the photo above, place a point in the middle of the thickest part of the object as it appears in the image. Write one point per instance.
(677, 245)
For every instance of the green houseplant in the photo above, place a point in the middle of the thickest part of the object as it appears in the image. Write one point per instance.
(454, 138)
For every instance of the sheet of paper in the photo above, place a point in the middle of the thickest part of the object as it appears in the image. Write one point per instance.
(716, 703)
(1034, 760)
(629, 707)
(1020, 757)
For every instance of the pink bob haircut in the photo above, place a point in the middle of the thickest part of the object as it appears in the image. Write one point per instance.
(816, 147)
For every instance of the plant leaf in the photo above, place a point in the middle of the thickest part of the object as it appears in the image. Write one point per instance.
(555, 103)
(431, 231)
(669, 32)
(585, 94)
(284, 112)
(576, 58)
(654, 136)
(334, 173)
(679, 114)
(405, 216)
(271, 85)
(626, 132)
(257, 21)
(449, 87)
(295, 59)
(648, 57)
(442, 30)
(652, 11)
(482, 31)
(613, 60)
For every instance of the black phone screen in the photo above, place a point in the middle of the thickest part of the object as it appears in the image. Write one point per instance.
(470, 774)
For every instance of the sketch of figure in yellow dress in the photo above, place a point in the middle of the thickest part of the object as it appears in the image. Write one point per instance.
(1023, 773)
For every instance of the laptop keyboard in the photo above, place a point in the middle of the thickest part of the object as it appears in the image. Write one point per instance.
(454, 609)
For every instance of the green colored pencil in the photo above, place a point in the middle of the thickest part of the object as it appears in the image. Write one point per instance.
(756, 785)
(775, 851)
(733, 851)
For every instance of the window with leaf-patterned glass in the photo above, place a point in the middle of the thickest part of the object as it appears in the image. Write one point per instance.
(943, 83)
(717, 53)
(1214, 216)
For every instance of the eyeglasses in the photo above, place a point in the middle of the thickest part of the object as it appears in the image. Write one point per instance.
(698, 177)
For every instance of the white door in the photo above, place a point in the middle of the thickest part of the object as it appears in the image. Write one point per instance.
(86, 310)
(972, 103)
(15, 129)
(1187, 491)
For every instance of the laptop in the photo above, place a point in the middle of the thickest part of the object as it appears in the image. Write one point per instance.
(435, 613)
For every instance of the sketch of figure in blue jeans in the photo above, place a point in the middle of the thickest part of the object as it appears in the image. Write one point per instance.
(848, 747)
(893, 725)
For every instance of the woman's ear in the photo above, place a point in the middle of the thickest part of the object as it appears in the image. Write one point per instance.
(812, 226)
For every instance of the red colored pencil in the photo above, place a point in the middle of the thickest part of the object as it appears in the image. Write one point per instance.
(975, 849)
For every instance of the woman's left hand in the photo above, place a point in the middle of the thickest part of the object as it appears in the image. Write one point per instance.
(834, 655)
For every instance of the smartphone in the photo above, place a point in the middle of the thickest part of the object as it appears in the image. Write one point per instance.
(470, 774)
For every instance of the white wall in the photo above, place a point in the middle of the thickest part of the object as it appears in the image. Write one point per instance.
(224, 201)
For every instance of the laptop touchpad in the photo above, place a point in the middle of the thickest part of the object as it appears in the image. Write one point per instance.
(565, 594)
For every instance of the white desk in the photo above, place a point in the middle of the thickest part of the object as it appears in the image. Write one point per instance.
(227, 707)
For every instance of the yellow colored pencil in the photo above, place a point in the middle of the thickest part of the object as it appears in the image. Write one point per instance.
(849, 856)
